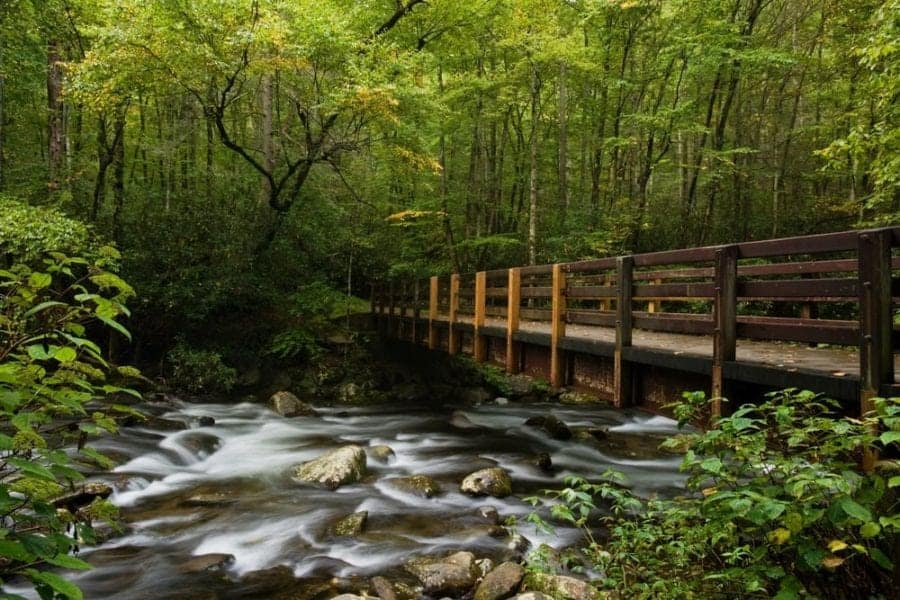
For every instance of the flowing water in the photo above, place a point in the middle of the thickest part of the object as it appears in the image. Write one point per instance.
(226, 489)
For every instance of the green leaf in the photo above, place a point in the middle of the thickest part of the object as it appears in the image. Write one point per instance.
(881, 559)
(43, 306)
(65, 354)
(31, 469)
(67, 561)
(712, 465)
(870, 529)
(15, 550)
(38, 352)
(115, 325)
(59, 585)
(855, 510)
(889, 437)
(40, 280)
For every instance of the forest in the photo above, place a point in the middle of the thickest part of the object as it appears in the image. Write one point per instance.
(252, 168)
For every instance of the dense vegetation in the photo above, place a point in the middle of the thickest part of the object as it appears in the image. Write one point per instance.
(259, 162)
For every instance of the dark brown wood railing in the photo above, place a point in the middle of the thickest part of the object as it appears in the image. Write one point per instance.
(837, 288)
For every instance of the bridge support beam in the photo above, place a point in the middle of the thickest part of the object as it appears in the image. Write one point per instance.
(876, 361)
(479, 341)
(453, 335)
(623, 383)
(513, 304)
(725, 318)
(558, 327)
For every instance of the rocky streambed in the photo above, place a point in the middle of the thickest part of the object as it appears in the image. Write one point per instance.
(392, 500)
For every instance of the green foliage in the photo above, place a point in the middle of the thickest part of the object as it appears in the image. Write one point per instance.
(199, 371)
(26, 232)
(56, 390)
(777, 506)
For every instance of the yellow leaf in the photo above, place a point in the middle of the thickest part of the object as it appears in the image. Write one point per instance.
(836, 546)
(707, 492)
(832, 562)
(779, 536)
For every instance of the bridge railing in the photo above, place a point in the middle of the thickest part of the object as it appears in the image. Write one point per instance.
(837, 288)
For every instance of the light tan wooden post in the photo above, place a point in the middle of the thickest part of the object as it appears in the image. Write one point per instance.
(622, 381)
(513, 303)
(653, 305)
(432, 312)
(558, 328)
(453, 336)
(479, 342)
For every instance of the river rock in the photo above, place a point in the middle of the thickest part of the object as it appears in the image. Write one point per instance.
(82, 496)
(206, 421)
(542, 461)
(382, 453)
(200, 443)
(519, 385)
(489, 514)
(561, 586)
(384, 589)
(351, 525)
(420, 485)
(501, 401)
(210, 500)
(532, 596)
(552, 425)
(348, 597)
(518, 543)
(501, 583)
(487, 482)
(346, 464)
(349, 393)
(453, 575)
(288, 405)
(576, 398)
(206, 562)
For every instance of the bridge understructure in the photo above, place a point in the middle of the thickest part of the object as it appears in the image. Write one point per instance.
(815, 312)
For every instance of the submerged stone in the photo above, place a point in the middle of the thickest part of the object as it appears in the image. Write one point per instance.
(206, 562)
(343, 465)
(382, 453)
(420, 485)
(351, 525)
(552, 425)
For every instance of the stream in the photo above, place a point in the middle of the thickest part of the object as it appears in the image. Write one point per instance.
(226, 489)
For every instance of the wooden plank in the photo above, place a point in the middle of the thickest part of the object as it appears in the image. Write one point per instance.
(497, 292)
(591, 317)
(536, 314)
(812, 330)
(669, 257)
(674, 323)
(536, 270)
(479, 342)
(514, 302)
(800, 288)
(433, 290)
(725, 318)
(558, 328)
(453, 340)
(622, 373)
(810, 244)
(590, 266)
(536, 291)
(591, 291)
(675, 290)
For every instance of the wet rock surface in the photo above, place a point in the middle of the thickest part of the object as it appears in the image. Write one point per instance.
(333, 469)
(451, 575)
(502, 582)
(420, 485)
(487, 482)
(287, 404)
(351, 525)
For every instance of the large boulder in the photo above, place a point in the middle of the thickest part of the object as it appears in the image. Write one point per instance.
(562, 587)
(501, 583)
(343, 465)
(288, 405)
(453, 575)
(420, 485)
(487, 482)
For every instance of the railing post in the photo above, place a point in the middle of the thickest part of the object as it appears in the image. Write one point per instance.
(653, 305)
(453, 336)
(725, 318)
(876, 361)
(558, 327)
(479, 342)
(513, 304)
(606, 303)
(432, 312)
(622, 376)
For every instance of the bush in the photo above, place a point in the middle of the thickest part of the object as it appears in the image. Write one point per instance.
(778, 506)
(27, 232)
(56, 390)
(200, 371)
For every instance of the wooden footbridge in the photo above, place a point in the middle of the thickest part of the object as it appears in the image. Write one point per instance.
(817, 312)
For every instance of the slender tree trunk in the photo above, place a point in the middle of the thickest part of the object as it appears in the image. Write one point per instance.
(104, 158)
(563, 154)
(2, 130)
(445, 209)
(533, 167)
(118, 186)
(268, 147)
(56, 143)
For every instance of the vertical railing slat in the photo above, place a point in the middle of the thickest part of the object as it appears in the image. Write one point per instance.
(622, 380)
(513, 304)
(479, 341)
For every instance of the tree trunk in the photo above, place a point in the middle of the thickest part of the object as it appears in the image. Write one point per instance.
(533, 167)
(2, 131)
(563, 154)
(118, 187)
(445, 210)
(56, 135)
(268, 148)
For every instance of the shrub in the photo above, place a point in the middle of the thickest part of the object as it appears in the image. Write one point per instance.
(199, 371)
(777, 505)
(27, 232)
(56, 390)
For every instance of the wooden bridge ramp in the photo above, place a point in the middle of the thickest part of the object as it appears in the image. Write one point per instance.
(815, 312)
